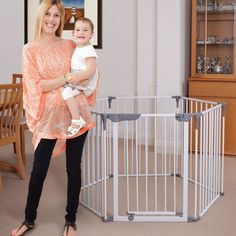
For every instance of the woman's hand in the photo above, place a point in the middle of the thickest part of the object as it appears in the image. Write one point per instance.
(48, 85)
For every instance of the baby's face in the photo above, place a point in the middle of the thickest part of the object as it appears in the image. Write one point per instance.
(82, 33)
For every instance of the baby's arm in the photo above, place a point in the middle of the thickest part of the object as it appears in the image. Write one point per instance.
(85, 74)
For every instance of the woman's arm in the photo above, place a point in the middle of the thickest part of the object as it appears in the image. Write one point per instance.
(48, 85)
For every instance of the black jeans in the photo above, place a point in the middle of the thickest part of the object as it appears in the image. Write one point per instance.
(42, 157)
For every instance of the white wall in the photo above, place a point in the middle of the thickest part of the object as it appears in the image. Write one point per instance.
(11, 39)
(173, 45)
(118, 56)
(145, 46)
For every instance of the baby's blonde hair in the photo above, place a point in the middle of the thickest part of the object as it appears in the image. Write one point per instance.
(85, 19)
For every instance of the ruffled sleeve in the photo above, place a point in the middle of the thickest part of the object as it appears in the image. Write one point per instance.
(33, 97)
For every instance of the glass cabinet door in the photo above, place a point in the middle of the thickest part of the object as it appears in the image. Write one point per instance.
(215, 35)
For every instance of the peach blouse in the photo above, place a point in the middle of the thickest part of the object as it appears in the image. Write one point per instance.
(47, 114)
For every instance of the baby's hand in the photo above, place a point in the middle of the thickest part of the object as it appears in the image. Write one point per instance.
(83, 82)
(74, 80)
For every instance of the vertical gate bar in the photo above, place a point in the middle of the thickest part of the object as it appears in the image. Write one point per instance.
(98, 160)
(201, 161)
(182, 156)
(170, 145)
(115, 172)
(212, 157)
(212, 154)
(132, 142)
(196, 169)
(175, 156)
(109, 145)
(204, 163)
(220, 150)
(161, 138)
(139, 147)
(117, 106)
(146, 162)
(191, 142)
(104, 158)
(215, 150)
(185, 171)
(93, 168)
(223, 157)
(165, 165)
(127, 165)
(155, 160)
(124, 150)
(88, 175)
(137, 168)
(178, 150)
(186, 107)
(207, 161)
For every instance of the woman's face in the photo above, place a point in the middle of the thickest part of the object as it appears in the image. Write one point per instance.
(51, 21)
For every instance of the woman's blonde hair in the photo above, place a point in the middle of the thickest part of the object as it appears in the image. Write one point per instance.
(43, 7)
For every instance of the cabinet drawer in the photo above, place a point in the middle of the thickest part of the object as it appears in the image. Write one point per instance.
(212, 89)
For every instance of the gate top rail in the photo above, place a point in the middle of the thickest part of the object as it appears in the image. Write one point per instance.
(142, 104)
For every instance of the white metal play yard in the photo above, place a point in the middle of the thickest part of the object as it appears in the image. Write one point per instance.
(154, 158)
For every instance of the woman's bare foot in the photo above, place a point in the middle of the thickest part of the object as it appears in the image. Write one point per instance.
(25, 226)
(70, 229)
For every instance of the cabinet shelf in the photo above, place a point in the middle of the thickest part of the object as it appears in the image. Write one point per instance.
(214, 44)
(217, 12)
(215, 17)
(214, 73)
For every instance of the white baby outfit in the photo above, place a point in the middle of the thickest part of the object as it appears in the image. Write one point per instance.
(78, 63)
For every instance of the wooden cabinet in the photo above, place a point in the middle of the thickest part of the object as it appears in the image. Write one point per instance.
(213, 53)
(220, 91)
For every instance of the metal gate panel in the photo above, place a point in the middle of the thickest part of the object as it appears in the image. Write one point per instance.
(153, 158)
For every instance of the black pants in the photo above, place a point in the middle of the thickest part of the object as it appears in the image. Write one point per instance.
(42, 157)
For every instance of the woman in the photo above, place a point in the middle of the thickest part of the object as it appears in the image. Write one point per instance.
(46, 61)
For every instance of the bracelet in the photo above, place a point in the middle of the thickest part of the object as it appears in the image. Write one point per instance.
(68, 78)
